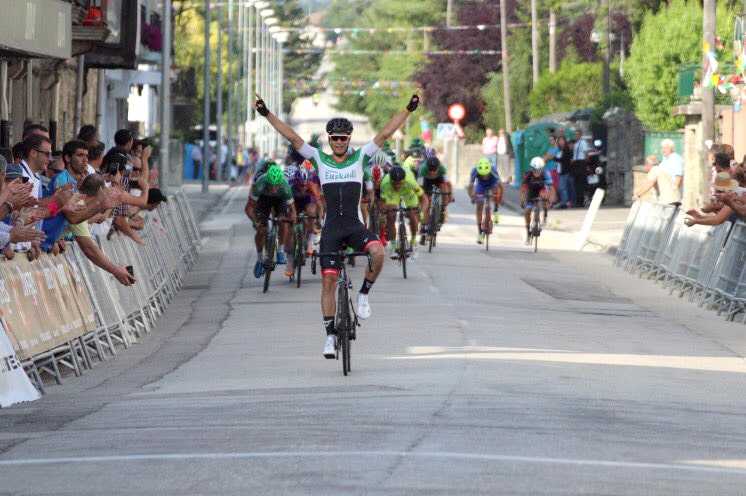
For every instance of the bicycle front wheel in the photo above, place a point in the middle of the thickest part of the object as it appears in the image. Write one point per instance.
(269, 261)
(403, 252)
(343, 326)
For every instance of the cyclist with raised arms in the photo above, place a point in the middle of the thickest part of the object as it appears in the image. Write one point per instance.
(342, 174)
(270, 194)
(484, 180)
(400, 184)
(535, 184)
(433, 173)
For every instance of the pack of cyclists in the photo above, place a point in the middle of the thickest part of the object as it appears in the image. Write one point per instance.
(351, 199)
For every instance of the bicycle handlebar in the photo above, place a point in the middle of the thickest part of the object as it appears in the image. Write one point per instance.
(342, 255)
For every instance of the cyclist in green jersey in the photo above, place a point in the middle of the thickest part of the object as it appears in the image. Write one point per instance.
(270, 194)
(400, 184)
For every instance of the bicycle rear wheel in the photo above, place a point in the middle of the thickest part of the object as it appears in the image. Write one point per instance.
(300, 254)
(535, 229)
(269, 261)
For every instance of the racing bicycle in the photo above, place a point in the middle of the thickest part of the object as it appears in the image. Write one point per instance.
(404, 250)
(487, 223)
(299, 250)
(535, 224)
(436, 218)
(345, 318)
(271, 243)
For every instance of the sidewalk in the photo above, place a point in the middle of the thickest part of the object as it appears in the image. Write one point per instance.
(606, 231)
(201, 204)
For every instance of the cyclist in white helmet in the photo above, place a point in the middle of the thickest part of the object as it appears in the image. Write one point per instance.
(535, 184)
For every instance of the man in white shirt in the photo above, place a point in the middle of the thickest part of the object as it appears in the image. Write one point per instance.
(672, 162)
(196, 160)
(666, 190)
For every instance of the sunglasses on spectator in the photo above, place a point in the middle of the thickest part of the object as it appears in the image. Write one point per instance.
(48, 154)
(339, 137)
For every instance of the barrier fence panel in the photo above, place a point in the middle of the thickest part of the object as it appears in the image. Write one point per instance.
(635, 234)
(728, 282)
(63, 312)
(622, 249)
(706, 262)
(673, 250)
(654, 238)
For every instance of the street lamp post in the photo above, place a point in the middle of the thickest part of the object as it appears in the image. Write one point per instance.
(165, 96)
(229, 155)
(219, 172)
(206, 104)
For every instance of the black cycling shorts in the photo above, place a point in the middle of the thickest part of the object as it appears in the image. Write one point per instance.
(341, 233)
(301, 202)
(428, 184)
(265, 205)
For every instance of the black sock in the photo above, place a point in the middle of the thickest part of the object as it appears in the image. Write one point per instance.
(367, 284)
(329, 325)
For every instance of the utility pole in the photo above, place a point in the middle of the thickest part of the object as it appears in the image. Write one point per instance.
(553, 41)
(504, 62)
(708, 93)
(165, 96)
(231, 103)
(607, 50)
(206, 104)
(449, 12)
(219, 172)
(249, 118)
(535, 41)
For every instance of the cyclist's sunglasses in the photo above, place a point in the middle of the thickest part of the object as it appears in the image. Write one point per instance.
(339, 137)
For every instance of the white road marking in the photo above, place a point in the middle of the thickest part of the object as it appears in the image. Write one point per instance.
(335, 454)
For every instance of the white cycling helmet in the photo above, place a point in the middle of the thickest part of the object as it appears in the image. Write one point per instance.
(537, 163)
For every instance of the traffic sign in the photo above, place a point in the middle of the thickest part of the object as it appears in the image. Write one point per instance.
(444, 131)
(456, 112)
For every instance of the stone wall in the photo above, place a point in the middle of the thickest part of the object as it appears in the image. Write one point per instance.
(45, 73)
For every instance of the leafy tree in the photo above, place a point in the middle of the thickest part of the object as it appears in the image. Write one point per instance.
(573, 86)
(667, 39)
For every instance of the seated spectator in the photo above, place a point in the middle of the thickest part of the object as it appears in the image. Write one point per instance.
(723, 184)
(90, 188)
(666, 191)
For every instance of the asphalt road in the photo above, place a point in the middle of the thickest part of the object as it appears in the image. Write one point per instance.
(505, 372)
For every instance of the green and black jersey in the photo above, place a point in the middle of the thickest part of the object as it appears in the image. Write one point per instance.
(262, 188)
(342, 182)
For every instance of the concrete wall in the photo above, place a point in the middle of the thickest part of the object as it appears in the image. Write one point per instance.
(468, 155)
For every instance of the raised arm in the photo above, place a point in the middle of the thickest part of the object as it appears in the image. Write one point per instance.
(397, 121)
(286, 131)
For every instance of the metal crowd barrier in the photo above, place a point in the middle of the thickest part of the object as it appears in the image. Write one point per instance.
(707, 263)
(123, 314)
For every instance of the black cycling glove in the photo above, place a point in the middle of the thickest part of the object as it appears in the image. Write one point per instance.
(413, 103)
(261, 107)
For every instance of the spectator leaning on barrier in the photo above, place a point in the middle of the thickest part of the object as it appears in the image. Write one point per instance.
(75, 158)
(15, 195)
(95, 156)
(666, 191)
(725, 188)
(552, 166)
(88, 133)
(117, 169)
(90, 188)
(54, 167)
(672, 162)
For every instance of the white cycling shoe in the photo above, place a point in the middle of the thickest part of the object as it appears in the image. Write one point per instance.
(363, 308)
(330, 346)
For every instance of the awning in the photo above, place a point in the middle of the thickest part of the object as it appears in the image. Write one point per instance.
(35, 29)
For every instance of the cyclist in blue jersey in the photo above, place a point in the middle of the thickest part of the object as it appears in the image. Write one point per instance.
(342, 174)
(485, 180)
